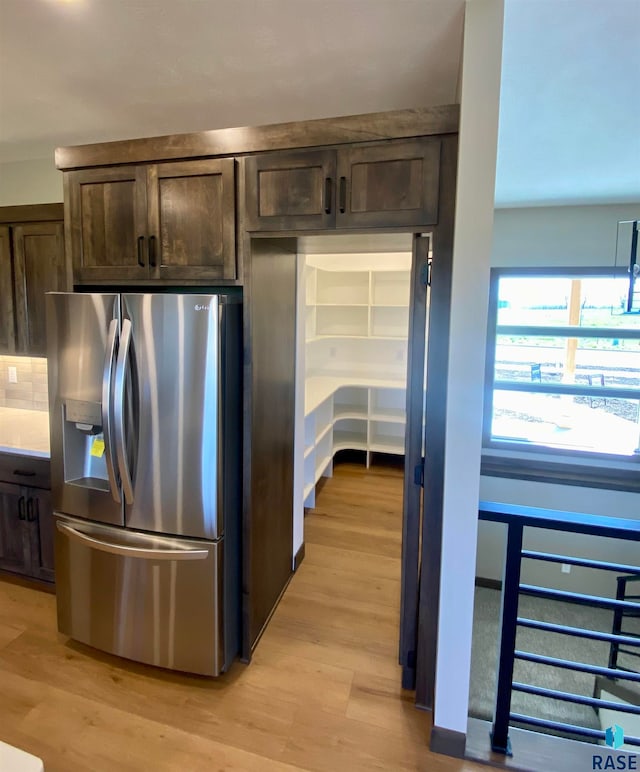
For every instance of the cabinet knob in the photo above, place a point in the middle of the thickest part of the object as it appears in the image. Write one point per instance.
(31, 515)
(21, 515)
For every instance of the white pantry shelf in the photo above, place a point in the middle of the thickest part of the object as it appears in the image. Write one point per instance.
(392, 415)
(349, 411)
(339, 305)
(386, 445)
(355, 332)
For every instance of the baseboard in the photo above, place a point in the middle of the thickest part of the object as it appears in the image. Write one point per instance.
(298, 558)
(490, 584)
(447, 742)
(28, 581)
(537, 752)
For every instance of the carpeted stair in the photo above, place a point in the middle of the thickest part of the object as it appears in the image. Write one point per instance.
(485, 657)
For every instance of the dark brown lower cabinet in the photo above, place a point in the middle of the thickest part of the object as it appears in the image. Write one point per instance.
(40, 526)
(26, 531)
(14, 537)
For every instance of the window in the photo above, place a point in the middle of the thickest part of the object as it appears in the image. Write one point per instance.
(563, 366)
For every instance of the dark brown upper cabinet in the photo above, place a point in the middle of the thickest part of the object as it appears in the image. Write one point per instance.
(39, 267)
(169, 221)
(386, 184)
(192, 215)
(32, 262)
(7, 309)
(390, 184)
(291, 191)
(107, 223)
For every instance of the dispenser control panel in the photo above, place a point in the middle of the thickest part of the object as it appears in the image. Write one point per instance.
(82, 412)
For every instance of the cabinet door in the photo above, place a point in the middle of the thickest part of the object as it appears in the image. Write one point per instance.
(39, 516)
(14, 546)
(39, 267)
(291, 191)
(7, 320)
(107, 222)
(192, 220)
(389, 184)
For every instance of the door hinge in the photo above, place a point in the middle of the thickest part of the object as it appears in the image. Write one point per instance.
(418, 474)
(425, 273)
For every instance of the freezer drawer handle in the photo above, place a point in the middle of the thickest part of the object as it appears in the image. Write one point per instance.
(118, 409)
(106, 411)
(130, 552)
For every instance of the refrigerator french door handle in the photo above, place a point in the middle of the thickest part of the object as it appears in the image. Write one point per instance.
(118, 411)
(107, 428)
(130, 552)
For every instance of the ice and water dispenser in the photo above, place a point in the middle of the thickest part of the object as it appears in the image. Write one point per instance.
(83, 442)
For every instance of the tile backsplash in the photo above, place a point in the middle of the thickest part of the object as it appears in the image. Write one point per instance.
(30, 390)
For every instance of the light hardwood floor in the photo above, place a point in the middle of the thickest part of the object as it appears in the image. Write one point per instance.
(322, 692)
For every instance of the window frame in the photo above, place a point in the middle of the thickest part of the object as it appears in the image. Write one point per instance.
(529, 461)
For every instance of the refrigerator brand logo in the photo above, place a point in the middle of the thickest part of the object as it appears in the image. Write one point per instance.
(198, 307)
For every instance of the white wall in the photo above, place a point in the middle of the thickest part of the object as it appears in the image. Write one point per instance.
(491, 536)
(565, 236)
(569, 236)
(30, 182)
(471, 262)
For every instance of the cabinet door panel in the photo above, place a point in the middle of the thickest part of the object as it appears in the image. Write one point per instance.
(291, 191)
(41, 534)
(39, 267)
(14, 547)
(192, 219)
(391, 184)
(107, 218)
(7, 320)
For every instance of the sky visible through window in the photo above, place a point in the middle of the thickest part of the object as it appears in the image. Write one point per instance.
(536, 368)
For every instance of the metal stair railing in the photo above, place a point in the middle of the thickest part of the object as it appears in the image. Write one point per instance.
(516, 518)
(619, 615)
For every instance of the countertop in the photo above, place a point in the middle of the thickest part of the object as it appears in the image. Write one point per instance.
(25, 432)
(13, 758)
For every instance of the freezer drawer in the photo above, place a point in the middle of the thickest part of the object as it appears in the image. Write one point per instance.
(149, 598)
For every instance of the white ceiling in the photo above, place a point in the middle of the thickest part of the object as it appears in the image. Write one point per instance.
(78, 71)
(569, 127)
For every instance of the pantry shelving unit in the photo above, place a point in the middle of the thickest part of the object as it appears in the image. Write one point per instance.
(356, 323)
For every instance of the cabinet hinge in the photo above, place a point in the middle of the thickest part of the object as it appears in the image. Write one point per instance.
(418, 474)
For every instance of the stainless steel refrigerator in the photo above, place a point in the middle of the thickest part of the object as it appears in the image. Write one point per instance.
(145, 418)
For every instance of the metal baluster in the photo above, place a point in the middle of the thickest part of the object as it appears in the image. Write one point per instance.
(508, 624)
